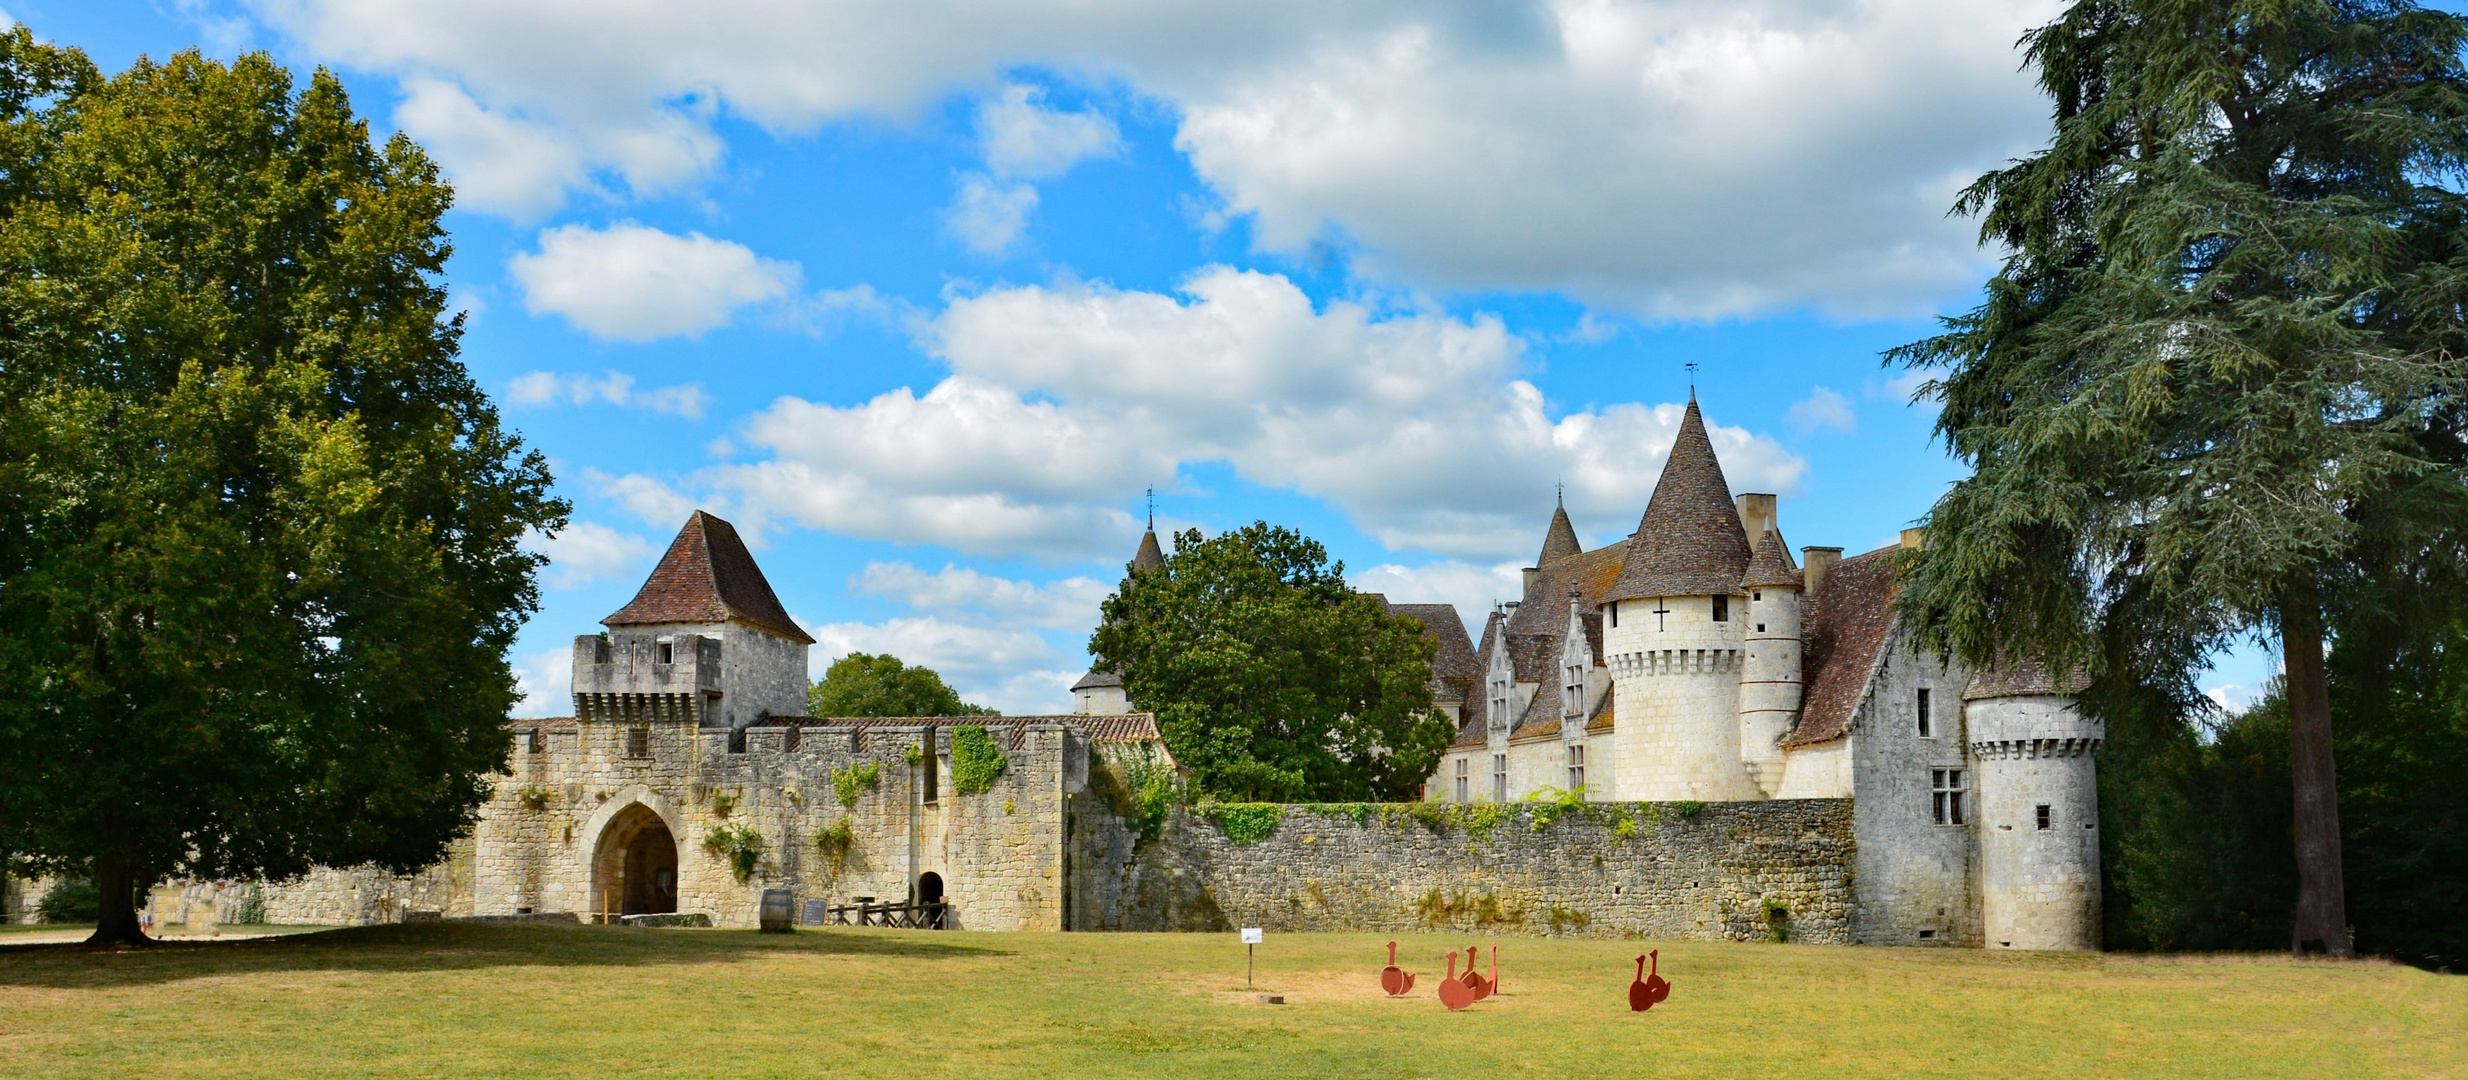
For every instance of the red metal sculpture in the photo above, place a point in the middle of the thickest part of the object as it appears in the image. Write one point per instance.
(1454, 993)
(1649, 989)
(1474, 979)
(1494, 979)
(1394, 979)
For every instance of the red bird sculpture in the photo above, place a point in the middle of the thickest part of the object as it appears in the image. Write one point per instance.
(1393, 978)
(1494, 979)
(1649, 989)
(1454, 993)
(1474, 979)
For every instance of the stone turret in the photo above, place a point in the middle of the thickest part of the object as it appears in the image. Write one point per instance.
(2038, 814)
(1675, 636)
(705, 641)
(1770, 676)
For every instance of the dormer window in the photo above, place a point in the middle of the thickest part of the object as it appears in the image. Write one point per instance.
(1572, 691)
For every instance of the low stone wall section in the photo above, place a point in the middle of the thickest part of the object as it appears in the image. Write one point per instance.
(1719, 871)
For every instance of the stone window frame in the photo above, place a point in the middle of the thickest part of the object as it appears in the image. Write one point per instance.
(1923, 708)
(1572, 691)
(1945, 792)
(1465, 791)
(2044, 817)
(638, 742)
(1721, 608)
(664, 652)
(1499, 778)
(1576, 766)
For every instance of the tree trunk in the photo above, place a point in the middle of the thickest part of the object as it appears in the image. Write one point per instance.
(115, 878)
(2322, 903)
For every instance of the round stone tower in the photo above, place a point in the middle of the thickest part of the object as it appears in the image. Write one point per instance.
(1675, 631)
(2038, 808)
(1770, 675)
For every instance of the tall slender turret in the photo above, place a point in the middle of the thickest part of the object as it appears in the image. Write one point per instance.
(1770, 676)
(1674, 634)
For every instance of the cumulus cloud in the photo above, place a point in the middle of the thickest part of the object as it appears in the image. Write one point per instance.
(1822, 408)
(1022, 138)
(988, 214)
(1065, 400)
(610, 388)
(634, 283)
(1471, 587)
(1009, 668)
(588, 551)
(546, 681)
(1070, 603)
(1672, 158)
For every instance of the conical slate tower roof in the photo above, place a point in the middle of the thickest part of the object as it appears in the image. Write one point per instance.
(1561, 541)
(1150, 556)
(708, 577)
(1690, 542)
(1771, 566)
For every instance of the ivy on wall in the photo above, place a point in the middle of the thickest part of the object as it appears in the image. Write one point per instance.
(834, 841)
(975, 761)
(853, 782)
(740, 844)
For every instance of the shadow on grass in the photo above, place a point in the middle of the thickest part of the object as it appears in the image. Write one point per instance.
(442, 946)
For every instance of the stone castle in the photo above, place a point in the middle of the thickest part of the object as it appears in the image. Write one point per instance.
(1761, 750)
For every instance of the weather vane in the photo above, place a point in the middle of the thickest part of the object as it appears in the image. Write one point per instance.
(1692, 380)
(1152, 509)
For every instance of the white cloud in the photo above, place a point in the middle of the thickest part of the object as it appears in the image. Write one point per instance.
(546, 680)
(588, 551)
(986, 664)
(1822, 408)
(610, 388)
(1904, 388)
(1064, 401)
(654, 503)
(989, 214)
(1023, 139)
(1471, 587)
(634, 283)
(1681, 158)
(1067, 604)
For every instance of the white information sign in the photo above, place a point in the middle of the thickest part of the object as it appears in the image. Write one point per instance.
(1251, 935)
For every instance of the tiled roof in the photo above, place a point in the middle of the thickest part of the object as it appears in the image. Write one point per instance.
(708, 577)
(1601, 721)
(1455, 659)
(1854, 618)
(1560, 540)
(1690, 542)
(1771, 566)
(1542, 715)
(1097, 680)
(2018, 678)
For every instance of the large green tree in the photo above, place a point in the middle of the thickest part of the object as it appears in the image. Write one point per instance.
(2214, 390)
(871, 684)
(1270, 677)
(258, 527)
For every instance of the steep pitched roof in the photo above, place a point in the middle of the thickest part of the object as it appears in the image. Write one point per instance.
(1854, 618)
(708, 576)
(1455, 661)
(1690, 542)
(1150, 556)
(1606, 713)
(1097, 680)
(1560, 541)
(1771, 566)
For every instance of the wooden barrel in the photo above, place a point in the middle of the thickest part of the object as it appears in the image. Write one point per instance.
(776, 916)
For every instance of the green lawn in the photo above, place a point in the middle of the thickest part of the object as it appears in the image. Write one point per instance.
(481, 1000)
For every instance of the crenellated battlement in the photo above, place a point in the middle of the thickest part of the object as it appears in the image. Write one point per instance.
(1638, 665)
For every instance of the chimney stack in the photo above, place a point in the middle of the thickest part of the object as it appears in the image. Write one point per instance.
(1756, 515)
(1914, 539)
(1814, 562)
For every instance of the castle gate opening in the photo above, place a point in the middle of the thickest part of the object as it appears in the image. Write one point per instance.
(634, 870)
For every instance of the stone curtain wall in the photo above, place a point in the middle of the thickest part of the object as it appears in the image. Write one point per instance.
(1736, 871)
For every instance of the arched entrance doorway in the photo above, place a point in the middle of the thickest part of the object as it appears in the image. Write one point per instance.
(930, 891)
(634, 870)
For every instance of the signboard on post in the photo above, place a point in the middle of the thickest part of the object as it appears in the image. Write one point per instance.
(1251, 937)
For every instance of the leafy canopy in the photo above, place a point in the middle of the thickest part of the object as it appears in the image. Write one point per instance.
(258, 528)
(1271, 679)
(2223, 357)
(867, 684)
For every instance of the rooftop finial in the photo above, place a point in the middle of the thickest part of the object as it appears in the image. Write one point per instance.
(1152, 509)
(1560, 494)
(1692, 380)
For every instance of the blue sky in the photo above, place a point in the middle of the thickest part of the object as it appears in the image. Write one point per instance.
(925, 297)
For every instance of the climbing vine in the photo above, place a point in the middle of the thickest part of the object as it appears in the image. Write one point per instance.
(834, 841)
(1245, 823)
(853, 782)
(975, 761)
(742, 846)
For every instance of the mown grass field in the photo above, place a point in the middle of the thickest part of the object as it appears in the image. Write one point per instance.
(481, 1000)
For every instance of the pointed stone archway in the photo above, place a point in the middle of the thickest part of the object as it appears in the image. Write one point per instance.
(633, 859)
